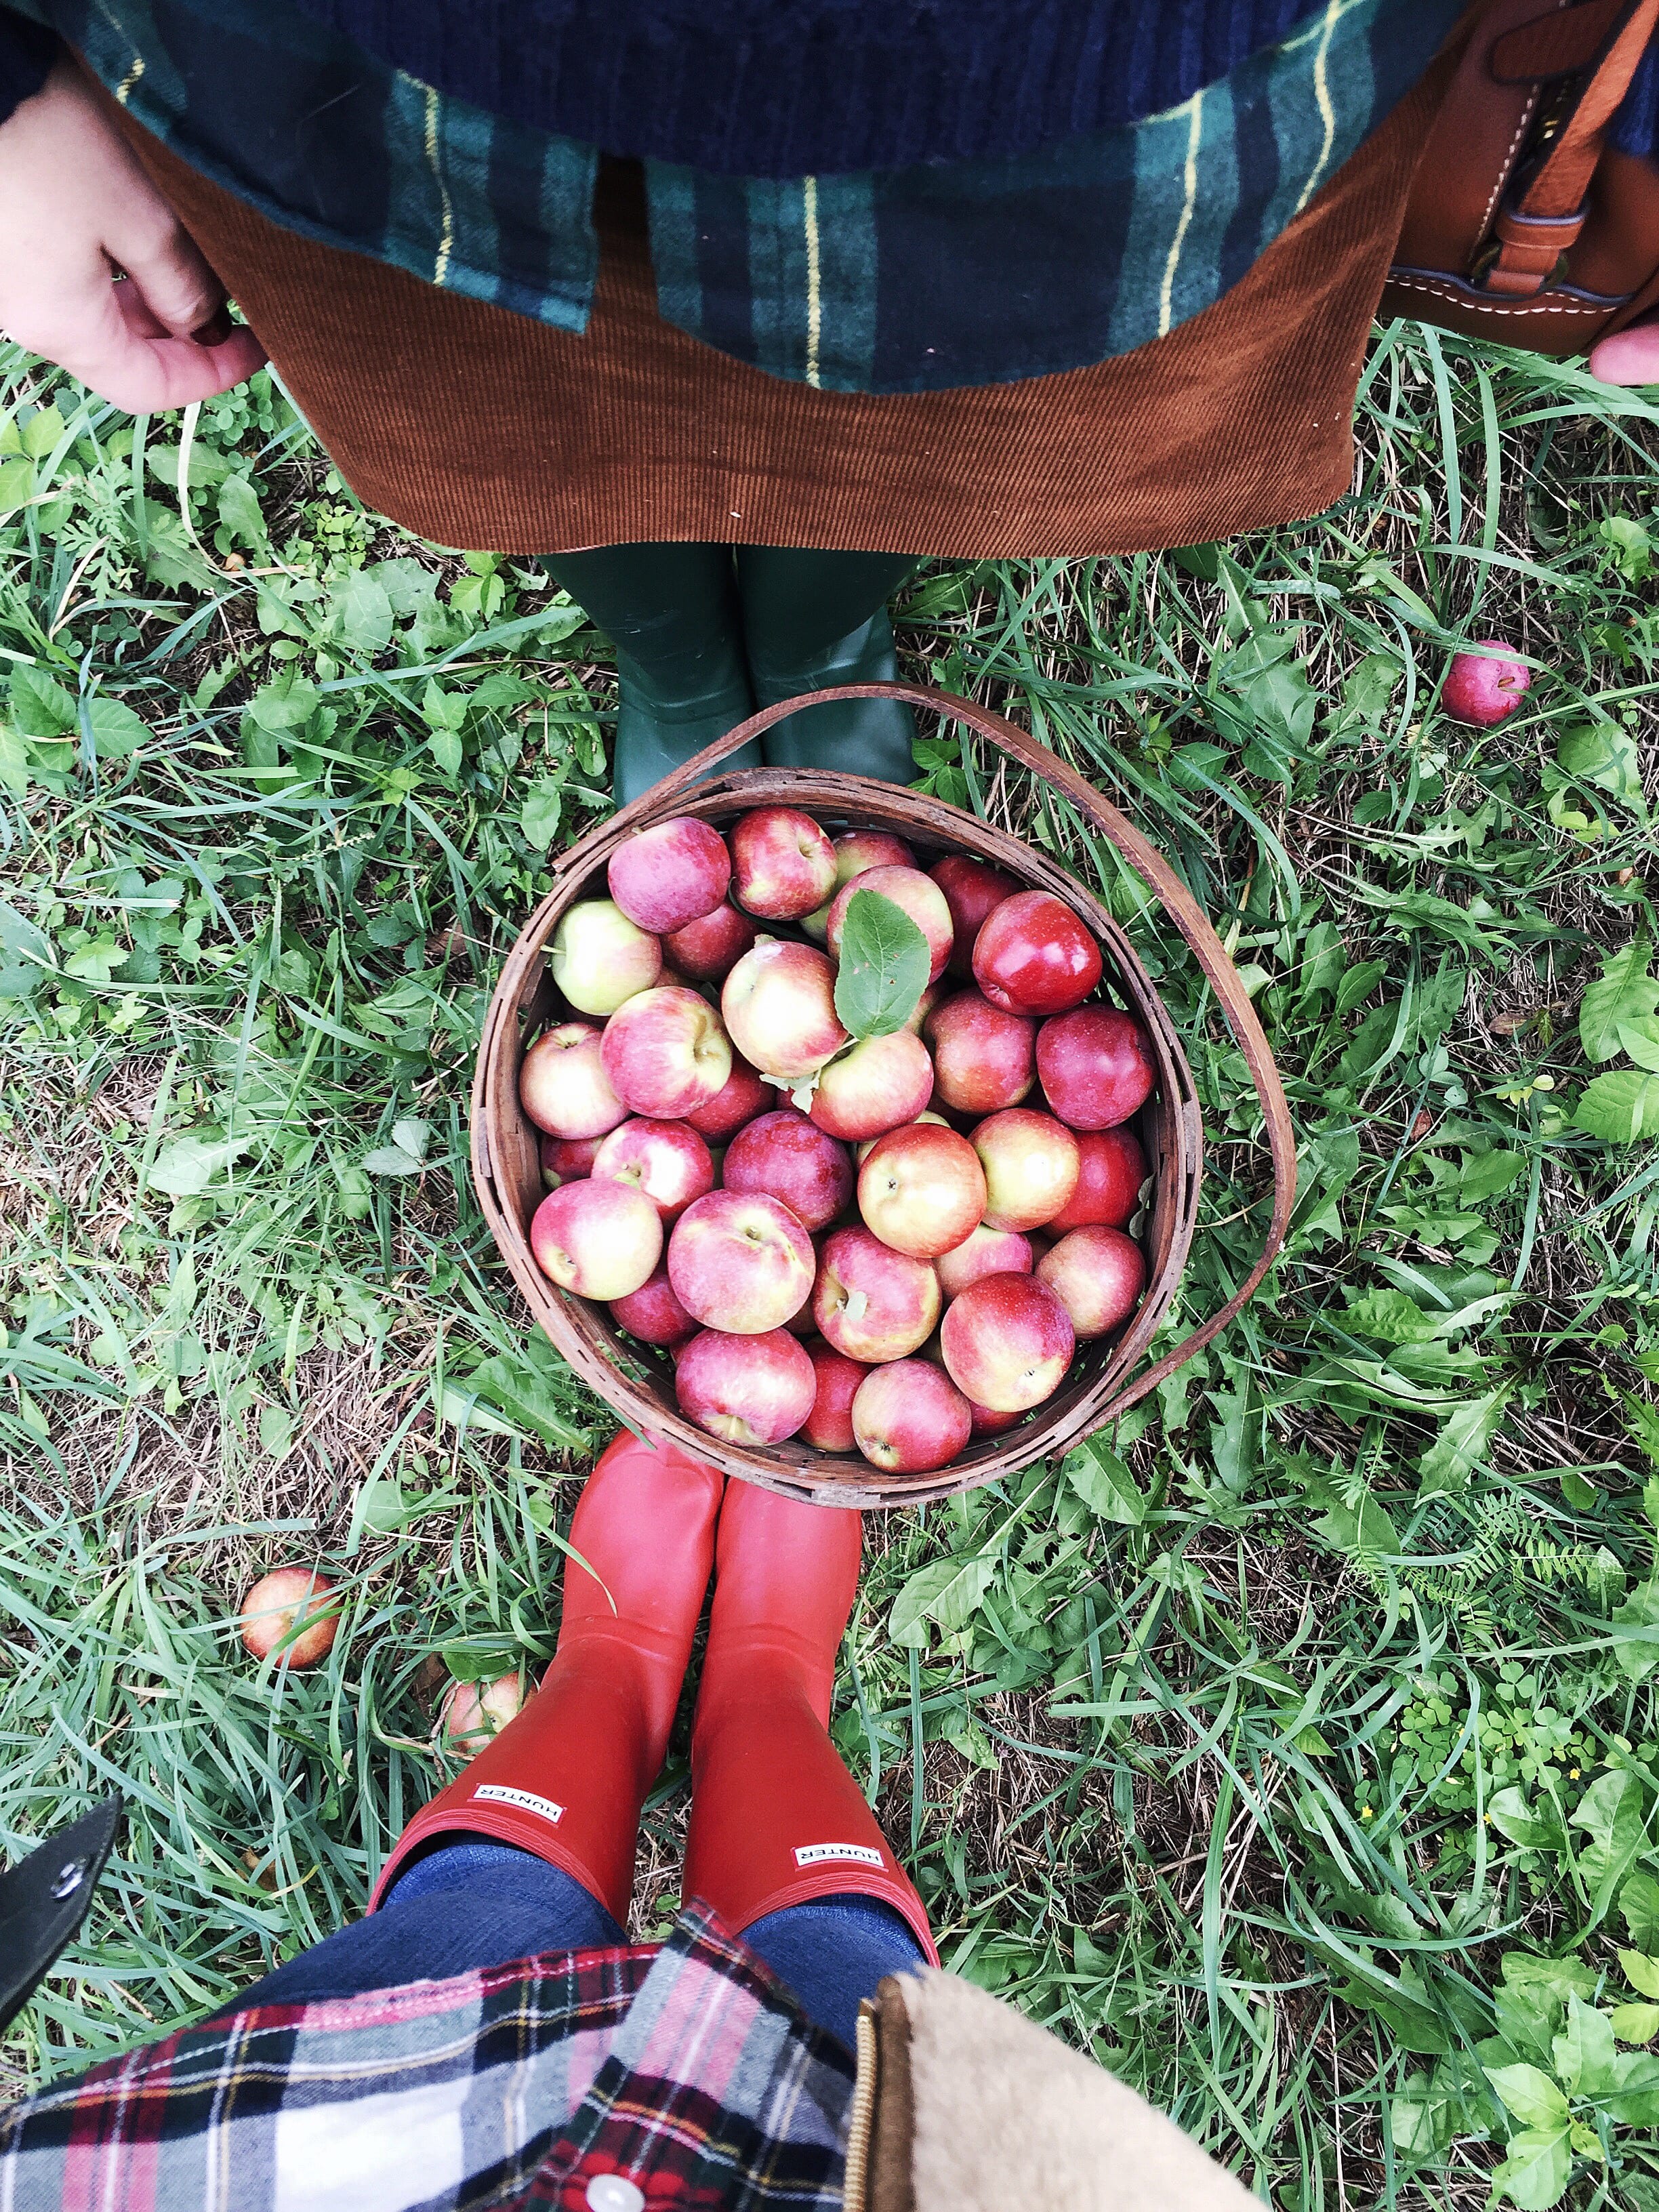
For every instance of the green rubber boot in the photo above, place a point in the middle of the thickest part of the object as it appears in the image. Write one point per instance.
(810, 620)
(671, 612)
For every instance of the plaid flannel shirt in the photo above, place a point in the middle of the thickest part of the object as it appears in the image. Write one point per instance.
(689, 2071)
(911, 279)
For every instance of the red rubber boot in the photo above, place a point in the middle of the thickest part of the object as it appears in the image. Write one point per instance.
(776, 1819)
(567, 1778)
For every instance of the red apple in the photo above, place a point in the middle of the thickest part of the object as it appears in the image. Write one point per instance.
(653, 1314)
(880, 1082)
(1098, 1275)
(1096, 1066)
(988, 1423)
(599, 958)
(1111, 1169)
(473, 1713)
(667, 1160)
(829, 1426)
(982, 1057)
(871, 1302)
(1031, 1164)
(986, 1252)
(748, 1389)
(744, 1097)
(279, 1600)
(929, 1120)
(909, 1417)
(971, 889)
(667, 1052)
(1033, 956)
(601, 1240)
(914, 893)
(740, 1261)
(1486, 686)
(1007, 1341)
(708, 950)
(779, 1004)
(670, 875)
(859, 850)
(568, 1159)
(784, 864)
(790, 1159)
(932, 996)
(921, 1190)
(563, 1085)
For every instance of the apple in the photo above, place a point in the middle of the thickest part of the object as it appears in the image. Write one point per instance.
(792, 1159)
(779, 1006)
(279, 1600)
(988, 1423)
(1033, 956)
(473, 1713)
(915, 894)
(858, 851)
(861, 1152)
(665, 1053)
(740, 1261)
(568, 1159)
(1098, 1275)
(829, 1426)
(880, 1082)
(653, 1314)
(971, 889)
(909, 1417)
(1096, 1067)
(709, 949)
(667, 1160)
(933, 994)
(982, 1057)
(748, 1389)
(921, 1190)
(986, 1252)
(1486, 686)
(563, 1085)
(1111, 1169)
(1007, 1342)
(783, 863)
(670, 875)
(601, 1240)
(871, 1302)
(598, 958)
(1031, 1164)
(744, 1097)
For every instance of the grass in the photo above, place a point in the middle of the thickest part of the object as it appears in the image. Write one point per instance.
(1292, 1748)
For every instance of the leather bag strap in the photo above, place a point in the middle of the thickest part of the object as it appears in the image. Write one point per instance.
(1160, 879)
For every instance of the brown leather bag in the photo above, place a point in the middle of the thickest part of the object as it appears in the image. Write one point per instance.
(1522, 224)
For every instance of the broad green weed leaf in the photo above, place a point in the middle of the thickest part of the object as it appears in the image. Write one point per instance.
(1529, 2094)
(1603, 754)
(949, 1593)
(540, 814)
(1641, 1971)
(241, 516)
(1636, 2023)
(1583, 2051)
(883, 966)
(391, 1160)
(1638, 1908)
(25, 954)
(1619, 1107)
(1534, 1827)
(40, 705)
(1610, 1812)
(1390, 1317)
(1449, 1462)
(1535, 2170)
(185, 1167)
(1635, 2099)
(1104, 1482)
(116, 732)
(360, 614)
(1637, 1655)
(1623, 991)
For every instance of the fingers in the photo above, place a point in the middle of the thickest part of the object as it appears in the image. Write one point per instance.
(105, 335)
(1631, 356)
(165, 264)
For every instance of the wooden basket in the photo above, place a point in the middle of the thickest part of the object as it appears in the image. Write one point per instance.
(1102, 1382)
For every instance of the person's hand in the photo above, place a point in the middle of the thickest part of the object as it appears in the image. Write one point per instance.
(1629, 356)
(76, 207)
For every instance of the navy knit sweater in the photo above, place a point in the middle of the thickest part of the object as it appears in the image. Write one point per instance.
(791, 88)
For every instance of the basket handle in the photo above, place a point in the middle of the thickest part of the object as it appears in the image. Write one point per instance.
(1150, 864)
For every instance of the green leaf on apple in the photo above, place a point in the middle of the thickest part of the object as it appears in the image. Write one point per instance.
(883, 966)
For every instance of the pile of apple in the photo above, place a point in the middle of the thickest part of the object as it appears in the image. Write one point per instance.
(731, 1180)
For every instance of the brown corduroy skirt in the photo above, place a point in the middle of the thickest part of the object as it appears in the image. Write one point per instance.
(481, 428)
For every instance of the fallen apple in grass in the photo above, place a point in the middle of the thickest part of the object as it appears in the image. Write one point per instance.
(874, 1087)
(972, 890)
(1031, 1164)
(653, 1314)
(744, 1097)
(1096, 1067)
(870, 1302)
(782, 864)
(708, 950)
(779, 1006)
(909, 1417)
(740, 1261)
(789, 1158)
(983, 1058)
(1098, 1275)
(1486, 686)
(986, 1252)
(286, 1598)
(563, 1085)
(473, 1714)
(1033, 956)
(915, 895)
(670, 874)
(1007, 1341)
(1111, 1171)
(568, 1159)
(746, 1389)
(601, 1240)
(667, 1160)
(599, 959)
(921, 1189)
(829, 1426)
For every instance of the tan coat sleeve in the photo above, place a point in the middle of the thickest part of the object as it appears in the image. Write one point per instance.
(964, 2105)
